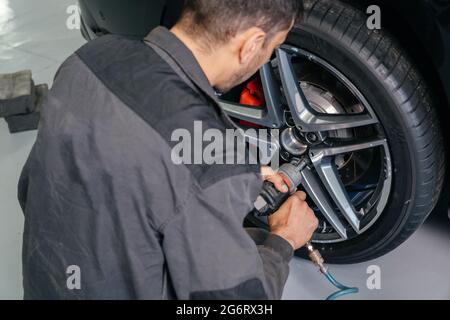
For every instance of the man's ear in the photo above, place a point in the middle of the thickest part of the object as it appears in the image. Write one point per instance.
(252, 41)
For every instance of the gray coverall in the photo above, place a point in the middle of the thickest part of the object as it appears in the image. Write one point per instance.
(101, 192)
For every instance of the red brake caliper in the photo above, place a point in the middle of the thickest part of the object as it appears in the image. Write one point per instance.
(253, 96)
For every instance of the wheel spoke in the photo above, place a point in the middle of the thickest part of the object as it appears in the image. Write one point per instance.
(323, 160)
(330, 178)
(242, 112)
(305, 117)
(321, 151)
(314, 189)
(272, 93)
(272, 116)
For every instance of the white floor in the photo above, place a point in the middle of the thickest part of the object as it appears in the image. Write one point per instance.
(34, 35)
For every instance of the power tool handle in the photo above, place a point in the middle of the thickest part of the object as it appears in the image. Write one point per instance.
(273, 197)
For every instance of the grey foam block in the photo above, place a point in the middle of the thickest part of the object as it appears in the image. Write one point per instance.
(25, 122)
(41, 93)
(17, 93)
(30, 121)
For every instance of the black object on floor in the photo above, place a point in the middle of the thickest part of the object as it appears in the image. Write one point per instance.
(17, 93)
(30, 121)
(22, 123)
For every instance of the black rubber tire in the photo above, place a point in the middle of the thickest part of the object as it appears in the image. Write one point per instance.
(384, 73)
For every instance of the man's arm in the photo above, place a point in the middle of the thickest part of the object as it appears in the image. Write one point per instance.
(275, 270)
(210, 255)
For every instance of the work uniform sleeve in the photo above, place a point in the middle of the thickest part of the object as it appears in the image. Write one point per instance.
(210, 255)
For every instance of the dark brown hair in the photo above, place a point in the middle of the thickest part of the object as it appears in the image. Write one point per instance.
(219, 20)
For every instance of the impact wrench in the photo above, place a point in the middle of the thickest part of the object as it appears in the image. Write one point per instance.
(270, 200)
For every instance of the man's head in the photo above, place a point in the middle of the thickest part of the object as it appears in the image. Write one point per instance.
(232, 39)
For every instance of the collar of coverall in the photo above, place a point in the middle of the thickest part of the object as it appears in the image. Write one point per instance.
(177, 50)
(166, 41)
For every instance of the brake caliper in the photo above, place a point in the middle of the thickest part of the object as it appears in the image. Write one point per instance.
(253, 96)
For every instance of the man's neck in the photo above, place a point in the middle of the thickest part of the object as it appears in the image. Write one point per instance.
(207, 61)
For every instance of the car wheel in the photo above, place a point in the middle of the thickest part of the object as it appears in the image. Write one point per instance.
(369, 130)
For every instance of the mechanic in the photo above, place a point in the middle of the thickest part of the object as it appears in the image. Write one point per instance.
(108, 215)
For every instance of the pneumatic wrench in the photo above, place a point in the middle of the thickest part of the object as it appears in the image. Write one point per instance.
(270, 200)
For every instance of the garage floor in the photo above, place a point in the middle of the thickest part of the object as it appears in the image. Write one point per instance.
(34, 35)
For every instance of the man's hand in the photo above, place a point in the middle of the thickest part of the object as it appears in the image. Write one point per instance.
(294, 221)
(269, 175)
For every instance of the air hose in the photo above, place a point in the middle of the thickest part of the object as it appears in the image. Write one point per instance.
(343, 290)
(318, 260)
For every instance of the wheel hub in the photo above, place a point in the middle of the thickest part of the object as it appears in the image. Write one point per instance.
(296, 143)
(293, 143)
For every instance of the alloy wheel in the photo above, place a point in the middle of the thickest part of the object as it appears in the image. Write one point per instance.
(324, 118)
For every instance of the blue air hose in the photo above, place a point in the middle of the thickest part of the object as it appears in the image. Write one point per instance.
(318, 260)
(343, 290)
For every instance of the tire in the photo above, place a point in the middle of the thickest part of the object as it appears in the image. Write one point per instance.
(383, 72)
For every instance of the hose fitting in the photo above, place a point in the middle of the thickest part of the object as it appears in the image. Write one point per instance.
(316, 258)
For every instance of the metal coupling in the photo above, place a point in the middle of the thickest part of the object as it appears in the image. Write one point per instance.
(316, 258)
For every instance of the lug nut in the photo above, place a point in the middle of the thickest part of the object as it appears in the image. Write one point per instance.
(285, 155)
(311, 137)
